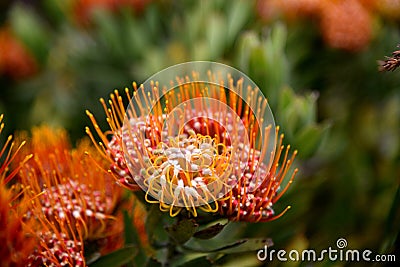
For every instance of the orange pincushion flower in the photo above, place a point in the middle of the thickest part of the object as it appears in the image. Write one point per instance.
(194, 145)
(73, 197)
(16, 243)
(165, 165)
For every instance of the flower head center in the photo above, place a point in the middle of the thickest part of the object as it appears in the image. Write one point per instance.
(195, 161)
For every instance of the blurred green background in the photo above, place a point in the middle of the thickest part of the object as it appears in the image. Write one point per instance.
(315, 60)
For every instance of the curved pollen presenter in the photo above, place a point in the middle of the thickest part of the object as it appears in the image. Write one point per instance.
(198, 135)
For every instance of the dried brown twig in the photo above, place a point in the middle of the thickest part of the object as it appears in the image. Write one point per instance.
(391, 63)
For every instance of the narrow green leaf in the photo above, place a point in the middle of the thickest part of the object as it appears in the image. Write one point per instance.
(153, 263)
(132, 237)
(248, 41)
(239, 13)
(192, 259)
(392, 222)
(309, 138)
(31, 30)
(116, 258)
(130, 231)
(243, 245)
(210, 232)
(152, 220)
(216, 35)
(278, 37)
(161, 256)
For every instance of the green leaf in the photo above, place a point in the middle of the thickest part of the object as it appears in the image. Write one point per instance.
(153, 263)
(392, 222)
(152, 220)
(161, 257)
(109, 32)
(239, 13)
(243, 245)
(56, 10)
(309, 138)
(132, 237)
(182, 231)
(31, 30)
(131, 29)
(278, 38)
(192, 259)
(248, 41)
(216, 35)
(277, 71)
(310, 107)
(286, 98)
(116, 258)
(210, 232)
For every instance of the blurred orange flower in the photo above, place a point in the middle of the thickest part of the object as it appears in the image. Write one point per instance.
(344, 24)
(15, 61)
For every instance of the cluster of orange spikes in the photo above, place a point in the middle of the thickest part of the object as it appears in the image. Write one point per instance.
(141, 151)
(55, 200)
(16, 244)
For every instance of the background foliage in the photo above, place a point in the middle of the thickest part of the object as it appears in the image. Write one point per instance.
(58, 57)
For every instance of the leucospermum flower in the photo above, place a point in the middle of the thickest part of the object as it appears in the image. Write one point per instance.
(195, 136)
(16, 244)
(74, 200)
